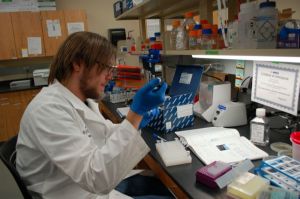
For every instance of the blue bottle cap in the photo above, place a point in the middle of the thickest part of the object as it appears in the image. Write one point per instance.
(157, 34)
(152, 39)
(197, 27)
(206, 31)
(270, 4)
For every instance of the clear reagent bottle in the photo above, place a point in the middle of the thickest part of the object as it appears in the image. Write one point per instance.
(259, 128)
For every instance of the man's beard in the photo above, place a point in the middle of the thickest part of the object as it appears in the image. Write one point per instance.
(89, 91)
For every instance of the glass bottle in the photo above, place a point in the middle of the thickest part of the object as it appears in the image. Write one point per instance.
(259, 128)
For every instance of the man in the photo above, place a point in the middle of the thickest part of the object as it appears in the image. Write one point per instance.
(65, 148)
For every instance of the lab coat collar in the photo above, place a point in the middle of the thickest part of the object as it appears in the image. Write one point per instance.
(90, 113)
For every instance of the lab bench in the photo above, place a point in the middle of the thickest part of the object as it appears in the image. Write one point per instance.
(181, 179)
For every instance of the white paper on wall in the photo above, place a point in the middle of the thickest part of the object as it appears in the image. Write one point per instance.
(53, 28)
(34, 45)
(75, 27)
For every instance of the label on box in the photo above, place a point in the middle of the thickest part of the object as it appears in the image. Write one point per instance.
(186, 78)
(184, 110)
(168, 125)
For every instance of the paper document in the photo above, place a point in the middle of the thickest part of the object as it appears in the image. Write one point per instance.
(53, 28)
(276, 85)
(123, 111)
(220, 144)
(34, 45)
(75, 27)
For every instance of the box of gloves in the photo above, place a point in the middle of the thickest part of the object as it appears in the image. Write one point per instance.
(177, 110)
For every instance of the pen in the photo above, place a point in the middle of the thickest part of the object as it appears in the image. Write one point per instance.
(158, 137)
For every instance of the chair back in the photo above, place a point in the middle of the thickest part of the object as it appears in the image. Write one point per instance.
(8, 157)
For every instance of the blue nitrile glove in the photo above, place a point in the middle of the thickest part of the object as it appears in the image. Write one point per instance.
(147, 117)
(149, 97)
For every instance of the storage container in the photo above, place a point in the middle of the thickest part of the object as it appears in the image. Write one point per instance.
(40, 77)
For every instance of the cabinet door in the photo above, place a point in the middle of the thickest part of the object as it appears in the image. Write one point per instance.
(13, 114)
(54, 30)
(7, 42)
(28, 33)
(12, 107)
(75, 20)
(4, 107)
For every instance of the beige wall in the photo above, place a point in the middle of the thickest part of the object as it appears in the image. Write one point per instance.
(100, 15)
(294, 4)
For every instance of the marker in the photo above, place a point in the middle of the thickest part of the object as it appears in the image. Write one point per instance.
(158, 137)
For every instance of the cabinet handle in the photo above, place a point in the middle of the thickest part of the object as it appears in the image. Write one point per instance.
(4, 104)
(3, 98)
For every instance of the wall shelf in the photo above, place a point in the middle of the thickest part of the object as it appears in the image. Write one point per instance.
(276, 55)
(164, 9)
(241, 52)
(159, 9)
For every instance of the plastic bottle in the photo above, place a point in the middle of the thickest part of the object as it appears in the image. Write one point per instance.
(181, 38)
(152, 43)
(220, 39)
(232, 34)
(198, 30)
(266, 23)
(193, 40)
(173, 35)
(188, 24)
(206, 40)
(246, 25)
(214, 36)
(167, 38)
(259, 128)
(158, 41)
(199, 38)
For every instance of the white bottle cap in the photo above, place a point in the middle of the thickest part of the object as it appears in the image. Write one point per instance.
(260, 112)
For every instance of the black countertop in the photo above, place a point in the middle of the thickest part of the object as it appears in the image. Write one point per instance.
(184, 175)
(4, 86)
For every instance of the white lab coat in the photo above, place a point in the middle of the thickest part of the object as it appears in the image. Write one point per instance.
(66, 149)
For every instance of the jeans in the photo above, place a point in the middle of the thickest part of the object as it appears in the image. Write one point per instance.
(144, 187)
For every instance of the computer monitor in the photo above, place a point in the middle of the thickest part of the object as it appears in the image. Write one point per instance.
(276, 85)
(116, 34)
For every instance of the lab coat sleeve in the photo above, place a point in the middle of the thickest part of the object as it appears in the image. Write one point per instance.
(95, 169)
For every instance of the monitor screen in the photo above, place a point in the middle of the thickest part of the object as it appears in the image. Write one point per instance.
(276, 85)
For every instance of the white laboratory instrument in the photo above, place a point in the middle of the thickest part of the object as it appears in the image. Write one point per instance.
(230, 114)
(210, 96)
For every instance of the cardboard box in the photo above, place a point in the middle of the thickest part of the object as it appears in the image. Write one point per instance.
(177, 110)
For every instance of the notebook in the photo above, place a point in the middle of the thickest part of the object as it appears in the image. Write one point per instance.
(220, 144)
